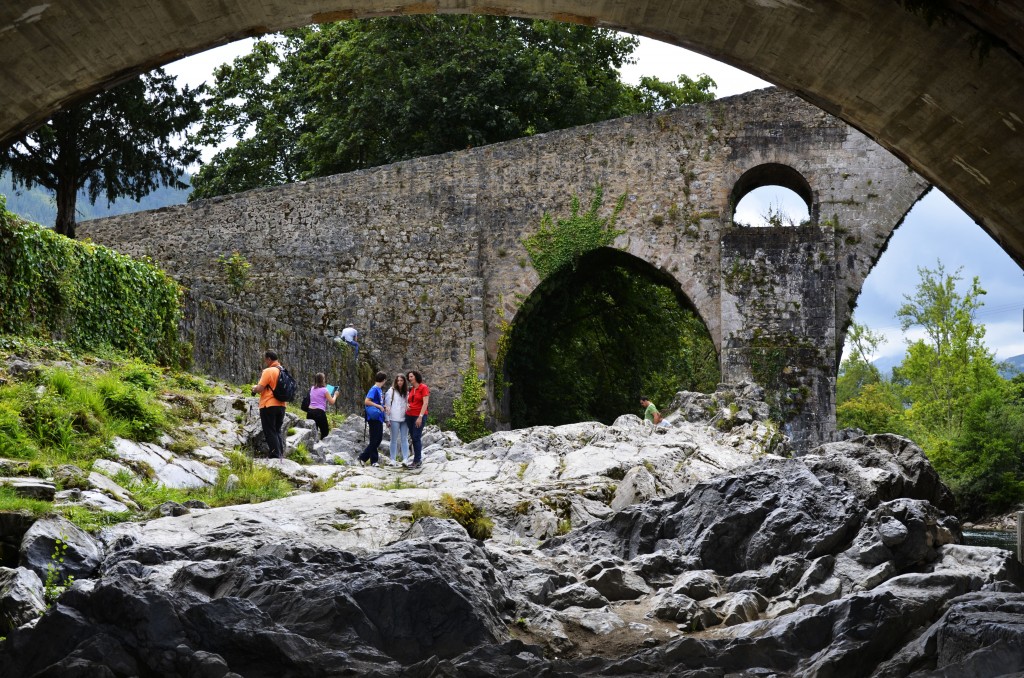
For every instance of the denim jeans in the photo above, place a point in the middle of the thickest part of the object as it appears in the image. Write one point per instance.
(416, 433)
(399, 429)
(272, 418)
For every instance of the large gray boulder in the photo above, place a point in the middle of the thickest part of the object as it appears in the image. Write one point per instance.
(81, 559)
(433, 595)
(732, 523)
(21, 597)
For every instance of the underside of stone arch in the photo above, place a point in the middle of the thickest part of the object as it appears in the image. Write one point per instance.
(942, 86)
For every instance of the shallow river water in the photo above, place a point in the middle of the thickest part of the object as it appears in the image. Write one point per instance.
(1001, 538)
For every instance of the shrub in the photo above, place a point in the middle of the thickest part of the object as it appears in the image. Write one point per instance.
(469, 515)
(467, 420)
(424, 509)
(301, 455)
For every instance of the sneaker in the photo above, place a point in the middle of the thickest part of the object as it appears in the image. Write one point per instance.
(416, 464)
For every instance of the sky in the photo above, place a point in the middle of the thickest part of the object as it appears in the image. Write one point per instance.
(935, 229)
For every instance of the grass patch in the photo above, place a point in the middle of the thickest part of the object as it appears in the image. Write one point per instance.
(469, 515)
(396, 484)
(301, 455)
(462, 511)
(11, 502)
(323, 484)
(425, 509)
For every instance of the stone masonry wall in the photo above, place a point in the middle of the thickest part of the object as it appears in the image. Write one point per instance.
(425, 257)
(228, 343)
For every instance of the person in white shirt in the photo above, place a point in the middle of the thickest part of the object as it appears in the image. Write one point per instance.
(395, 404)
(350, 336)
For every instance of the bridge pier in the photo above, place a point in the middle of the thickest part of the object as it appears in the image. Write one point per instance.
(778, 323)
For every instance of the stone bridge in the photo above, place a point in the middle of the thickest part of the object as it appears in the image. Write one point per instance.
(426, 256)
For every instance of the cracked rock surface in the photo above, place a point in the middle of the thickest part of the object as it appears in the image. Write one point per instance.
(616, 550)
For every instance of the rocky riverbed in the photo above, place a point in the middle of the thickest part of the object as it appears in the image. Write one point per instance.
(700, 549)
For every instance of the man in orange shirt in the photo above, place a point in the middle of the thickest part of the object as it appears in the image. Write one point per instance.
(271, 409)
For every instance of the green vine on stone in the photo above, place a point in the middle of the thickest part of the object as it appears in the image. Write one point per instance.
(561, 243)
(87, 295)
(236, 270)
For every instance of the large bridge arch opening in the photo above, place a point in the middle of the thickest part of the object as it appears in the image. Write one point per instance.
(592, 338)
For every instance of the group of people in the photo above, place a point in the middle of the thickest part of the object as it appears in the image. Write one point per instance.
(404, 407)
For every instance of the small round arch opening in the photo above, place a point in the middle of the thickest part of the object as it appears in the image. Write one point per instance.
(762, 179)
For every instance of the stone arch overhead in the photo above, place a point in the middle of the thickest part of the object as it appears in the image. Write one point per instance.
(774, 174)
(944, 92)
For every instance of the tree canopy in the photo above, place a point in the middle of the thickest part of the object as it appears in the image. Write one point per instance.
(947, 394)
(344, 96)
(124, 142)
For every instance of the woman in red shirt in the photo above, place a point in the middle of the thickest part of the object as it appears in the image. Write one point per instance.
(415, 415)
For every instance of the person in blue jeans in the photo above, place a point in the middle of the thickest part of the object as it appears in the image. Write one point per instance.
(416, 414)
(374, 404)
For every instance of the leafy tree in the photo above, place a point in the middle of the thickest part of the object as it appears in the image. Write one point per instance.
(984, 464)
(946, 369)
(856, 371)
(338, 97)
(947, 395)
(653, 94)
(876, 408)
(122, 142)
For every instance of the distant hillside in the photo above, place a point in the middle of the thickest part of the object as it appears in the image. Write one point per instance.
(1016, 364)
(38, 204)
(885, 365)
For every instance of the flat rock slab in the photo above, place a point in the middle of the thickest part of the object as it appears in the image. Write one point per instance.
(31, 488)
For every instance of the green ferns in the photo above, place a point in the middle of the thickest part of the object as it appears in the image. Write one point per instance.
(85, 294)
(561, 243)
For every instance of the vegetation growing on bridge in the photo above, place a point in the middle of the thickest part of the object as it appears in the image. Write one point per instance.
(560, 243)
(467, 419)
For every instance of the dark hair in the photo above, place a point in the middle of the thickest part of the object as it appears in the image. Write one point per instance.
(419, 377)
(272, 355)
(405, 385)
(320, 380)
(645, 398)
(380, 376)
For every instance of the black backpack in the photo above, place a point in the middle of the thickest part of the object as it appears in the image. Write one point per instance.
(286, 386)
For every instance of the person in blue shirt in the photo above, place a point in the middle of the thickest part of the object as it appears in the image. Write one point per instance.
(374, 404)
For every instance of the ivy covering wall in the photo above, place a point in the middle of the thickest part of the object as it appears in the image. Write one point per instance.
(86, 295)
